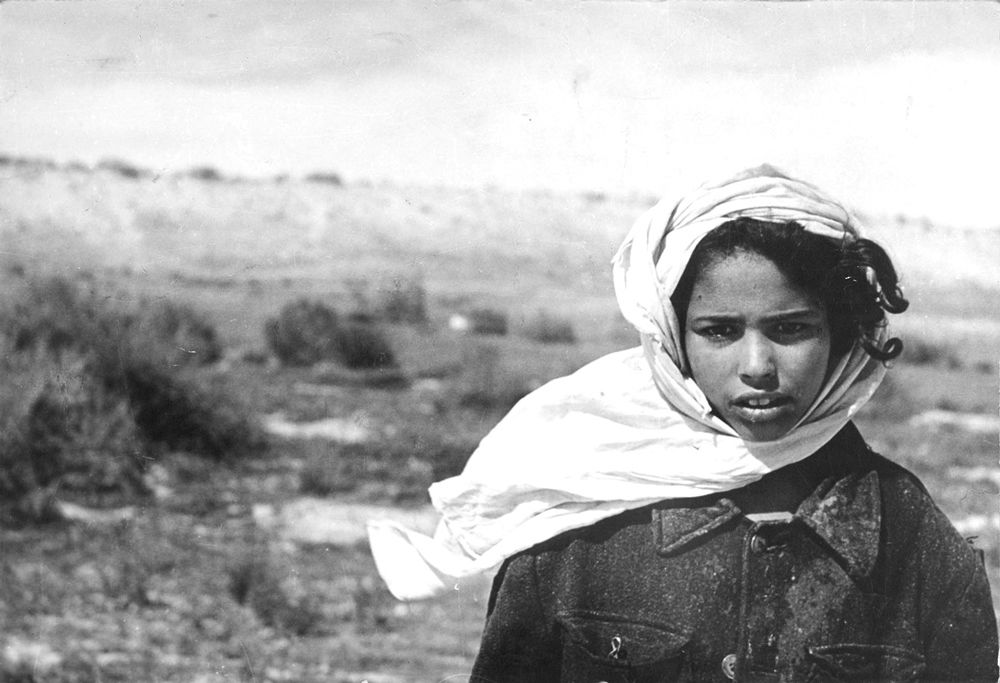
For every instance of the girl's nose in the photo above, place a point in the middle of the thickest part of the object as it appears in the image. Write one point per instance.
(757, 367)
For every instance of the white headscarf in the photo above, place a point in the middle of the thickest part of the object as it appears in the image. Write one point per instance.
(631, 428)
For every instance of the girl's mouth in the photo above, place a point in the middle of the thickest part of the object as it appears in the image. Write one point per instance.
(761, 408)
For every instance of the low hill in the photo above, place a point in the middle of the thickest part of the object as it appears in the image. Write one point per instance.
(525, 248)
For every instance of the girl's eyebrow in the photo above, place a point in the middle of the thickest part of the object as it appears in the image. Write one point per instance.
(780, 315)
(716, 317)
(795, 313)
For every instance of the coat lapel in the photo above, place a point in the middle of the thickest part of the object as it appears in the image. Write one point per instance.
(845, 513)
(848, 517)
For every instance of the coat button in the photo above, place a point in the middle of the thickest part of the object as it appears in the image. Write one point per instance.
(729, 666)
(758, 544)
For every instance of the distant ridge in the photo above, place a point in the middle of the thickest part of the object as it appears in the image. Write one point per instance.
(202, 222)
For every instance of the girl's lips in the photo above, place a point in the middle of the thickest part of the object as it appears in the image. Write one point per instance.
(761, 408)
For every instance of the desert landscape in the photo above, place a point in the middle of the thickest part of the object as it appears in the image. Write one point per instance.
(268, 270)
(188, 462)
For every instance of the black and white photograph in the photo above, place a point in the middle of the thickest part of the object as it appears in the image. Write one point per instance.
(499, 342)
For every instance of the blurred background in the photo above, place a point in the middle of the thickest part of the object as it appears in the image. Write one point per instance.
(270, 270)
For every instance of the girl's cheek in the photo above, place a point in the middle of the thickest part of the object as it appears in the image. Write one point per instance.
(814, 367)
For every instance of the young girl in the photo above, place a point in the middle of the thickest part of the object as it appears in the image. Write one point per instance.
(702, 508)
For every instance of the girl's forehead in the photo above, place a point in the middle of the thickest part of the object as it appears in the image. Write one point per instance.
(746, 282)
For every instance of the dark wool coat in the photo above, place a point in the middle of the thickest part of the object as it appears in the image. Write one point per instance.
(867, 580)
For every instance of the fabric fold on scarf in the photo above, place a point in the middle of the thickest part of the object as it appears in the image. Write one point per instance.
(631, 428)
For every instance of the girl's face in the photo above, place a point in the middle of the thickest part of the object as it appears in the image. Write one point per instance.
(757, 345)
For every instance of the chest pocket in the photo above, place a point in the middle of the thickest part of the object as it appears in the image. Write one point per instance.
(858, 662)
(607, 647)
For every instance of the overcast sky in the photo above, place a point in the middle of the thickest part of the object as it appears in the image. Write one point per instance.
(891, 106)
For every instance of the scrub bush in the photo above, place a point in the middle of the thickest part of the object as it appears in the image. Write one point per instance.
(302, 333)
(984, 367)
(123, 168)
(91, 394)
(61, 430)
(175, 413)
(206, 173)
(52, 315)
(362, 346)
(325, 177)
(190, 337)
(488, 321)
(548, 328)
(308, 332)
(55, 315)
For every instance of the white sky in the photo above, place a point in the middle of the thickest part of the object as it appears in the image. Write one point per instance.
(890, 106)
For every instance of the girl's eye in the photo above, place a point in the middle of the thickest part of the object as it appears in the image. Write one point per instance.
(718, 331)
(791, 328)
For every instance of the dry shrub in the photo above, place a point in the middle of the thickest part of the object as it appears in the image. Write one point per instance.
(984, 367)
(307, 332)
(325, 177)
(188, 331)
(549, 328)
(302, 333)
(61, 430)
(52, 315)
(179, 414)
(55, 315)
(123, 168)
(206, 173)
(89, 395)
(362, 346)
(84, 437)
(487, 321)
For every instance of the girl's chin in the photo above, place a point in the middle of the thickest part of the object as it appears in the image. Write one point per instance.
(762, 435)
(762, 430)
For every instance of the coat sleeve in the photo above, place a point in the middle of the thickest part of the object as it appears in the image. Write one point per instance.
(519, 642)
(963, 646)
(960, 625)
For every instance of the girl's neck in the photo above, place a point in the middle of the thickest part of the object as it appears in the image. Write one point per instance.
(779, 491)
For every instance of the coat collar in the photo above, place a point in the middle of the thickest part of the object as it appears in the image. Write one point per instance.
(845, 512)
